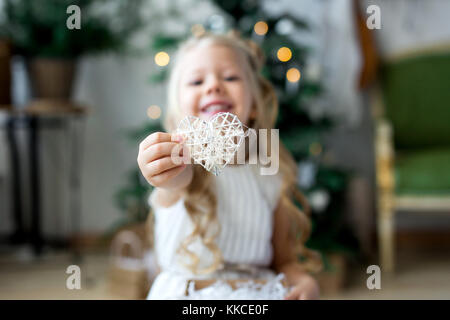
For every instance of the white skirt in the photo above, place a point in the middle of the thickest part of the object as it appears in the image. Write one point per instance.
(170, 285)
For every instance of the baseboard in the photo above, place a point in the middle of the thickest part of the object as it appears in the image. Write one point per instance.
(405, 239)
(423, 239)
(88, 241)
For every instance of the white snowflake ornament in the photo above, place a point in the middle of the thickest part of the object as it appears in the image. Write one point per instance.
(212, 143)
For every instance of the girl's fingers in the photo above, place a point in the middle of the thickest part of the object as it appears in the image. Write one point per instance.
(158, 166)
(176, 137)
(166, 175)
(293, 294)
(305, 296)
(302, 292)
(156, 137)
(160, 150)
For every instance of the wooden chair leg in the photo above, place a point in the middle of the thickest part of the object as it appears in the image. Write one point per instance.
(386, 235)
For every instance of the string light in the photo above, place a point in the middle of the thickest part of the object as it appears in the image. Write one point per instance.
(162, 59)
(293, 75)
(154, 112)
(315, 148)
(284, 54)
(261, 28)
(197, 30)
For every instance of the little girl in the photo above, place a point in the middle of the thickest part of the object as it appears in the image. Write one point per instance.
(240, 222)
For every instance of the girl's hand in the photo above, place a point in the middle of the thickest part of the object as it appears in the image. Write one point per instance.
(306, 288)
(157, 164)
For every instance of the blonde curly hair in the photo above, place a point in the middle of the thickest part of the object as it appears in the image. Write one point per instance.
(199, 198)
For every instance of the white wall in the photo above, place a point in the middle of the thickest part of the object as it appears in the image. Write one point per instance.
(411, 24)
(118, 92)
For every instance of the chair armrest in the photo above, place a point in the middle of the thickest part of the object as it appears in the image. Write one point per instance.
(384, 155)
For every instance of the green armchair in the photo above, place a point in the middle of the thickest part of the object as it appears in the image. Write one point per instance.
(412, 142)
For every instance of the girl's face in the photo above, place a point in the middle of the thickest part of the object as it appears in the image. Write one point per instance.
(213, 80)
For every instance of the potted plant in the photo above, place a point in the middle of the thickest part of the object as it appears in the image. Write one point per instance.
(38, 32)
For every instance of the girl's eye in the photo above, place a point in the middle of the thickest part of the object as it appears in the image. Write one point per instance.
(195, 82)
(231, 78)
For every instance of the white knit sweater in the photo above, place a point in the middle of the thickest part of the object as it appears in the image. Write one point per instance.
(246, 201)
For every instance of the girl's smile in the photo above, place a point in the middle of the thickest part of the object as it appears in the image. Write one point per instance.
(214, 106)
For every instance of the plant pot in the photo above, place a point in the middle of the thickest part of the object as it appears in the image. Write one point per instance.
(5, 74)
(51, 78)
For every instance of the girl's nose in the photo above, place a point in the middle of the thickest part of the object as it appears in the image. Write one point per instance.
(214, 86)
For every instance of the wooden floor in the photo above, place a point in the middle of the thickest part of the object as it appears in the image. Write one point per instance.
(420, 275)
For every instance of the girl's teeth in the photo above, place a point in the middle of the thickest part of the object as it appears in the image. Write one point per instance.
(216, 107)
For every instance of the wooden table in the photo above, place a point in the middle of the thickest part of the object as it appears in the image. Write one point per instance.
(43, 114)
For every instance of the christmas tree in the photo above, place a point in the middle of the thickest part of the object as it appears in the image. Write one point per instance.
(323, 185)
